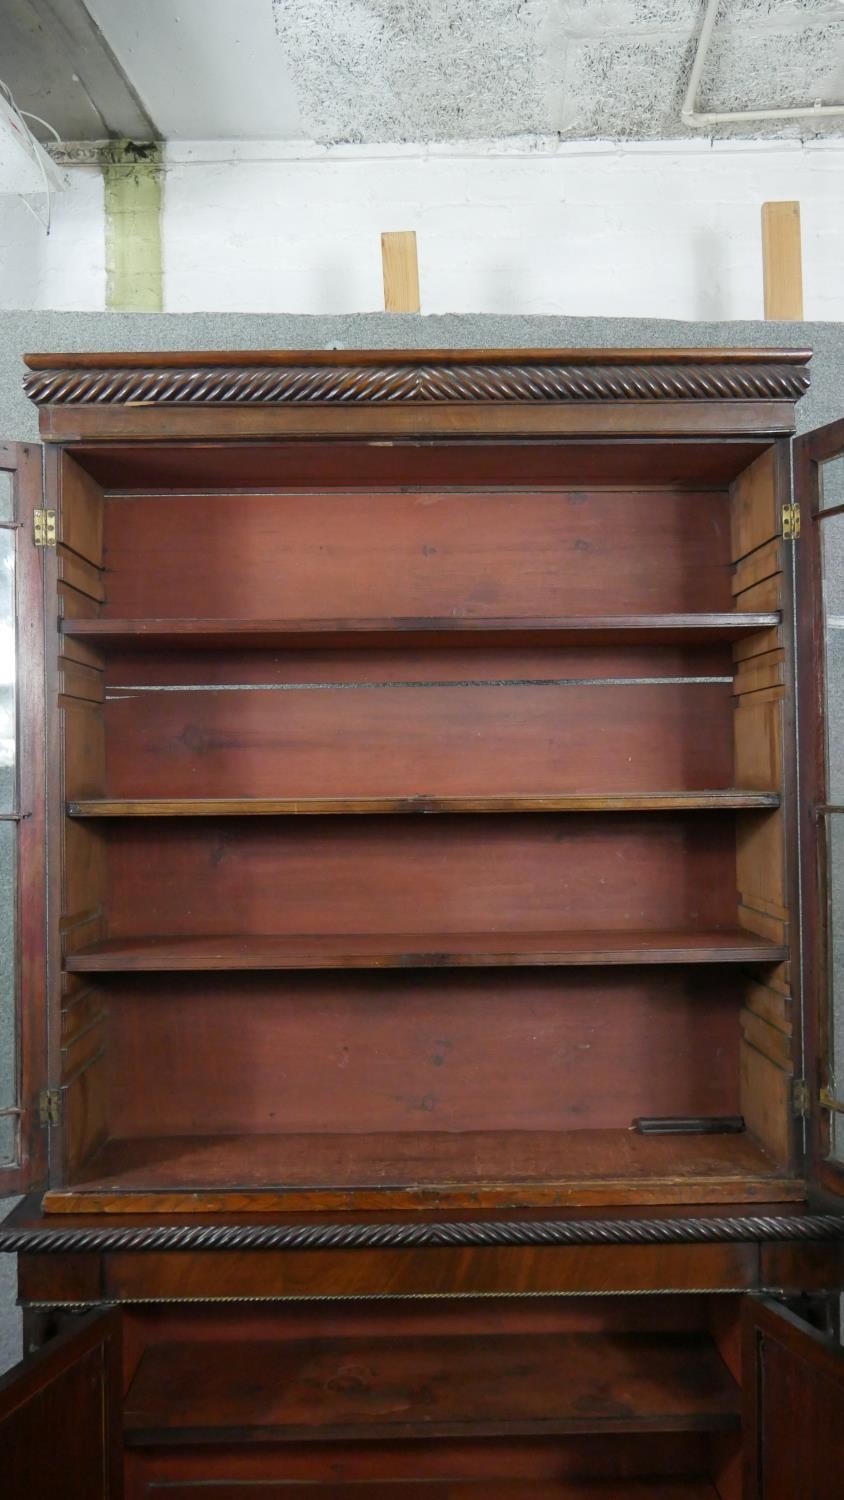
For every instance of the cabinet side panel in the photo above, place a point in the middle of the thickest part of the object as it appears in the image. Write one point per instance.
(79, 883)
(763, 694)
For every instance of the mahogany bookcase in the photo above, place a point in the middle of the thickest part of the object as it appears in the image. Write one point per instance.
(423, 994)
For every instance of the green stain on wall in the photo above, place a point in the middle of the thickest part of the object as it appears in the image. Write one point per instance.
(133, 173)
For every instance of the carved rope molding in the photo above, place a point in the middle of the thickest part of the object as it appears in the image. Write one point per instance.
(424, 1234)
(431, 384)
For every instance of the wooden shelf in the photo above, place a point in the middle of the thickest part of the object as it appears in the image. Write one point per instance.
(217, 634)
(452, 1386)
(723, 798)
(412, 1170)
(479, 1489)
(422, 950)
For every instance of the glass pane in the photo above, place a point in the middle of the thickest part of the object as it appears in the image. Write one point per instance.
(835, 914)
(8, 967)
(7, 496)
(831, 482)
(832, 562)
(7, 672)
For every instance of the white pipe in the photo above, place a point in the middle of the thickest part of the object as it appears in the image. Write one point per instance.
(696, 121)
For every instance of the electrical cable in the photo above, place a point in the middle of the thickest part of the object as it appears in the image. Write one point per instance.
(24, 115)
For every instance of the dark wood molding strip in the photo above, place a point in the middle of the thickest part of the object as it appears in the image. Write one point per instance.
(399, 383)
(309, 1236)
(186, 358)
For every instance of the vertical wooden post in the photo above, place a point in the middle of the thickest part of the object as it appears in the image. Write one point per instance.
(782, 265)
(401, 271)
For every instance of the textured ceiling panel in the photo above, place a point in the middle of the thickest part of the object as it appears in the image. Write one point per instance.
(780, 68)
(623, 67)
(409, 70)
(420, 70)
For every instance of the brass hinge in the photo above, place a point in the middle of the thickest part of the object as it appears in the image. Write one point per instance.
(800, 1100)
(44, 528)
(791, 521)
(50, 1106)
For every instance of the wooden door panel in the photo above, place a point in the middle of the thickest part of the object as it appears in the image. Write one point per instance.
(23, 1059)
(819, 481)
(793, 1407)
(60, 1432)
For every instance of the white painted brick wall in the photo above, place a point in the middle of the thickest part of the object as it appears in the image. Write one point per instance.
(65, 269)
(645, 230)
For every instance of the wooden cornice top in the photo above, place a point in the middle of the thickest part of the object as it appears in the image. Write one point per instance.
(169, 359)
(365, 378)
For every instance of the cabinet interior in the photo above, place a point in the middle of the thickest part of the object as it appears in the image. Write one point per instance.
(569, 1399)
(423, 821)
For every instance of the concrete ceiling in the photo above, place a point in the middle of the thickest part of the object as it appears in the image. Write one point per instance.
(412, 70)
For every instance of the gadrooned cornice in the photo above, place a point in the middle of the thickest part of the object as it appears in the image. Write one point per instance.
(398, 384)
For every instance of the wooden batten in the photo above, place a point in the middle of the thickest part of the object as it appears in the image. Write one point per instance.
(777, 977)
(79, 681)
(761, 643)
(84, 652)
(767, 1039)
(85, 1112)
(84, 747)
(758, 732)
(760, 861)
(400, 264)
(760, 672)
(757, 566)
(84, 874)
(765, 907)
(770, 1005)
(782, 260)
(761, 596)
(81, 515)
(81, 929)
(765, 695)
(74, 605)
(772, 928)
(80, 574)
(83, 1011)
(754, 515)
(766, 1102)
(83, 1047)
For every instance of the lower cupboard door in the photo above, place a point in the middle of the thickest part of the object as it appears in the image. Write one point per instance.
(793, 1407)
(60, 1417)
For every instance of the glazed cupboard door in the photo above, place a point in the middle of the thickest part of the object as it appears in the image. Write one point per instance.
(22, 812)
(819, 471)
(60, 1427)
(793, 1407)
